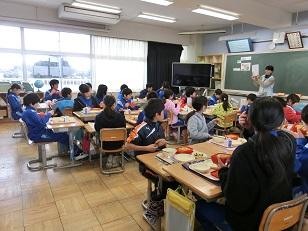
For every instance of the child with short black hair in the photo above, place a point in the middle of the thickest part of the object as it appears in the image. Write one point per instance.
(141, 116)
(144, 92)
(250, 99)
(197, 127)
(161, 91)
(215, 97)
(65, 102)
(293, 100)
(53, 92)
(37, 130)
(289, 113)
(126, 102)
(190, 94)
(85, 99)
(101, 92)
(14, 101)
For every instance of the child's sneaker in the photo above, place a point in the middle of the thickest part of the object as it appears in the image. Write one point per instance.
(81, 156)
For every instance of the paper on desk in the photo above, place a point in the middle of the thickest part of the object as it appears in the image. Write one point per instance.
(255, 69)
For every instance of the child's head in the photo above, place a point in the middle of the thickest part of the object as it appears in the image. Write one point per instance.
(154, 110)
(66, 93)
(251, 98)
(32, 100)
(168, 94)
(127, 93)
(266, 114)
(225, 101)
(190, 92)
(109, 102)
(123, 86)
(85, 90)
(101, 90)
(151, 95)
(165, 85)
(218, 93)
(199, 103)
(15, 88)
(90, 85)
(54, 84)
(305, 116)
(292, 99)
(269, 70)
(149, 87)
(282, 102)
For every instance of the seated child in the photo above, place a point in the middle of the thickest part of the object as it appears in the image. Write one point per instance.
(120, 95)
(144, 92)
(250, 99)
(289, 113)
(160, 91)
(126, 102)
(65, 102)
(53, 93)
(85, 99)
(141, 116)
(172, 107)
(14, 101)
(101, 92)
(110, 118)
(293, 100)
(215, 97)
(37, 130)
(190, 94)
(196, 123)
(148, 137)
(222, 109)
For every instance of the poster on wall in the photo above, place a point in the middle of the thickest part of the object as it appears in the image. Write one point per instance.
(255, 70)
(245, 66)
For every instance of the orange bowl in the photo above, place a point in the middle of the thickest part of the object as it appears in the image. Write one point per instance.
(222, 156)
(184, 150)
(233, 136)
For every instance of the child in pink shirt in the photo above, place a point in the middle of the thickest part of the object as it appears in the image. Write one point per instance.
(172, 107)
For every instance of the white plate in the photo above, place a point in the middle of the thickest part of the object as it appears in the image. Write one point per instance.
(184, 157)
(219, 139)
(202, 167)
(198, 154)
(170, 151)
(238, 142)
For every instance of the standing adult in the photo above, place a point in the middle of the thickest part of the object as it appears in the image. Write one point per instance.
(266, 82)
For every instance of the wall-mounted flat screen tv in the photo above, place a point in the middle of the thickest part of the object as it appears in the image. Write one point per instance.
(240, 45)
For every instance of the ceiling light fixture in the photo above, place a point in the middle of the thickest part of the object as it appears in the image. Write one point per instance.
(202, 32)
(157, 17)
(216, 12)
(159, 2)
(96, 6)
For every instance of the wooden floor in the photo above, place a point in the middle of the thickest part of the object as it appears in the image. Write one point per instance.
(73, 199)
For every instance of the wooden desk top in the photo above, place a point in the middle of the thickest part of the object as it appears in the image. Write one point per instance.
(198, 185)
(150, 161)
(89, 127)
(209, 148)
(132, 119)
(76, 123)
(132, 112)
(87, 117)
(208, 112)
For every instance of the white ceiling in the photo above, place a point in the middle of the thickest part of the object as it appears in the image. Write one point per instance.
(266, 13)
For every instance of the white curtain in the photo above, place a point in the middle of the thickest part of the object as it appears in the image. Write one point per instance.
(119, 61)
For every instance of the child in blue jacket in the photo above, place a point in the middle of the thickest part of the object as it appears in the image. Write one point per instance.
(301, 165)
(37, 130)
(65, 102)
(126, 102)
(14, 101)
(53, 92)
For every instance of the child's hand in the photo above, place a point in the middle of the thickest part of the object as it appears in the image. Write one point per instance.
(151, 148)
(52, 112)
(161, 142)
(243, 121)
(216, 121)
(220, 164)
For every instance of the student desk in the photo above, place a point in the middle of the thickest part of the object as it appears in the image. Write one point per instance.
(131, 119)
(208, 112)
(43, 107)
(73, 124)
(202, 187)
(89, 117)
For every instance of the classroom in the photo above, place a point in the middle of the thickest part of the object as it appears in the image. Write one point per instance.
(139, 115)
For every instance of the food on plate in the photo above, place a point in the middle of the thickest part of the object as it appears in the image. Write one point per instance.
(233, 136)
(222, 156)
(170, 151)
(199, 154)
(238, 142)
(184, 157)
(185, 150)
(299, 128)
(219, 139)
(215, 174)
(202, 167)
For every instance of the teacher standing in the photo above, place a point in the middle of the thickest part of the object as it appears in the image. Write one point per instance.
(266, 82)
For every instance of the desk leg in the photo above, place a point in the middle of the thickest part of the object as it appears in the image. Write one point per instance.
(71, 144)
(149, 191)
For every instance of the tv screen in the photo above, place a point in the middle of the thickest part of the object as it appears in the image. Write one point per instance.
(240, 45)
(191, 74)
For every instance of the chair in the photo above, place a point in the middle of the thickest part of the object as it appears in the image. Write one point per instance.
(19, 134)
(282, 216)
(111, 135)
(228, 118)
(68, 111)
(177, 127)
(42, 159)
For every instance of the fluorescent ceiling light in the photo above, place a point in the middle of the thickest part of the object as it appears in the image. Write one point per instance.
(157, 17)
(159, 2)
(97, 7)
(202, 32)
(216, 12)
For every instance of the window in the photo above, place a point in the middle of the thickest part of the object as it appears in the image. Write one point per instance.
(119, 61)
(10, 67)
(41, 40)
(74, 43)
(10, 37)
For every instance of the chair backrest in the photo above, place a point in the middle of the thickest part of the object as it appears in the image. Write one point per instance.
(165, 126)
(169, 117)
(68, 111)
(25, 130)
(113, 134)
(230, 117)
(284, 215)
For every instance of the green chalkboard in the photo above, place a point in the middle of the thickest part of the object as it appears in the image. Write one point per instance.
(291, 71)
